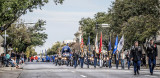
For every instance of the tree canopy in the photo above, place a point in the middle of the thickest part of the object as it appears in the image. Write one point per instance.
(22, 36)
(11, 10)
(89, 27)
(136, 19)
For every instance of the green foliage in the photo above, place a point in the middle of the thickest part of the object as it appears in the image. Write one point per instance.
(89, 27)
(54, 49)
(22, 36)
(30, 51)
(136, 19)
(11, 10)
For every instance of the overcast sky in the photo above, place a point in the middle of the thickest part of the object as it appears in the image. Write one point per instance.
(62, 21)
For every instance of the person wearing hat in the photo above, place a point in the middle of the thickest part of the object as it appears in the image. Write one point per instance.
(136, 54)
(152, 55)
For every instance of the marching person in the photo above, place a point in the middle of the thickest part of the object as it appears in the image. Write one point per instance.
(75, 58)
(117, 59)
(110, 60)
(136, 53)
(152, 55)
(95, 58)
(128, 60)
(122, 59)
(82, 58)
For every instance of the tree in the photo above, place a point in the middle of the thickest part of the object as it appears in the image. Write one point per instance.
(11, 10)
(89, 27)
(136, 19)
(22, 36)
(30, 51)
(54, 49)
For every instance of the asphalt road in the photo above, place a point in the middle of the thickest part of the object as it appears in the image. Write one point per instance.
(49, 70)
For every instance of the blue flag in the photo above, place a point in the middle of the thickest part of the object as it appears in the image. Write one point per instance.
(115, 46)
(88, 44)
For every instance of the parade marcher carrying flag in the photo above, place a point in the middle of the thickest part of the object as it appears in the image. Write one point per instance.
(95, 51)
(96, 43)
(82, 52)
(88, 49)
(100, 45)
(119, 48)
(109, 53)
(100, 49)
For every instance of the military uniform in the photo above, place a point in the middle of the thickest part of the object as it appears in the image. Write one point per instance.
(95, 58)
(82, 58)
(152, 54)
(136, 54)
(110, 59)
(75, 58)
(117, 59)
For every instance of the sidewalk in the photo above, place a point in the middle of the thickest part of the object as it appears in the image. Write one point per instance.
(10, 72)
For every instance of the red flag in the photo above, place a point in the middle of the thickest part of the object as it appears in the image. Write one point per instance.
(100, 45)
(82, 44)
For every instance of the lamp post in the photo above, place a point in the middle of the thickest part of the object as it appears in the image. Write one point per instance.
(104, 26)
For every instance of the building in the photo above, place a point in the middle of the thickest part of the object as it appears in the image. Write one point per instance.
(78, 34)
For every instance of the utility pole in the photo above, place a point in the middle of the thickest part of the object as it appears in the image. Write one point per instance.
(5, 46)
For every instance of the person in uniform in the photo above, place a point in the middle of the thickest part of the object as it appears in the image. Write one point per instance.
(117, 59)
(122, 59)
(136, 54)
(128, 60)
(95, 57)
(110, 60)
(75, 58)
(82, 58)
(152, 55)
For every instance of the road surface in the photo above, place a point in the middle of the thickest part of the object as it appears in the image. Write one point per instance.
(49, 70)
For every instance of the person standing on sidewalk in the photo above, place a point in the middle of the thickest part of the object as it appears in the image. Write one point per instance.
(152, 55)
(136, 54)
(4, 60)
(17, 58)
(8, 58)
(122, 59)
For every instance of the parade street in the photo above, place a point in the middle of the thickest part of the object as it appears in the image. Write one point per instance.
(49, 70)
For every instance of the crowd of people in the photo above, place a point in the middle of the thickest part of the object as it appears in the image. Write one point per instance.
(133, 57)
(13, 59)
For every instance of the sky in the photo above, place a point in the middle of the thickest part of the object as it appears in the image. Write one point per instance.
(62, 21)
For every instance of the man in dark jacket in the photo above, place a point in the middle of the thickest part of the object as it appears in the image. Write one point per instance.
(82, 58)
(95, 58)
(152, 55)
(75, 58)
(136, 54)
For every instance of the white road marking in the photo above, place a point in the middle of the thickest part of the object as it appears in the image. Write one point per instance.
(126, 71)
(83, 75)
(150, 76)
(72, 71)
